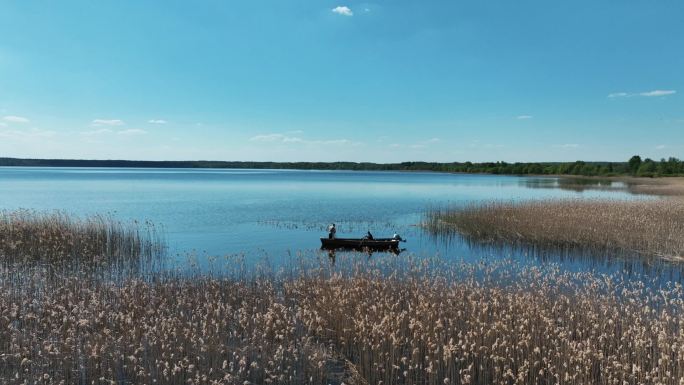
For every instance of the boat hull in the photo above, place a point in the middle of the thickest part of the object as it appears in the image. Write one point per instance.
(359, 244)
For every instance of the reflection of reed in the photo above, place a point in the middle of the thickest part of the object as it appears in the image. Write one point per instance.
(383, 320)
(653, 228)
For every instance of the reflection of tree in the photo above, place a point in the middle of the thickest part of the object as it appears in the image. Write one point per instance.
(573, 184)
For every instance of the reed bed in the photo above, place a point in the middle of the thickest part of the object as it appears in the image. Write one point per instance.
(375, 322)
(650, 228)
(671, 186)
(57, 238)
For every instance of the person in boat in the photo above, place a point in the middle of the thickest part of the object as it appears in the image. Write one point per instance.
(332, 231)
(397, 237)
(369, 236)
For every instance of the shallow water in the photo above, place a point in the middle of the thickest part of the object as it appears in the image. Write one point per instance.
(274, 214)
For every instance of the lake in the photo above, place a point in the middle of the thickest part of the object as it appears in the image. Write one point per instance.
(274, 214)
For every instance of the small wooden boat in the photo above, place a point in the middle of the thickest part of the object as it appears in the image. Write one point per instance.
(360, 243)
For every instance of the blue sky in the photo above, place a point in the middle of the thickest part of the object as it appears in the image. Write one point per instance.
(328, 80)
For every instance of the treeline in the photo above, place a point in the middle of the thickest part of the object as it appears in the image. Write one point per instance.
(634, 166)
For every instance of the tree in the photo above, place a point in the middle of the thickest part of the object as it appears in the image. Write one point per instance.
(648, 168)
(634, 163)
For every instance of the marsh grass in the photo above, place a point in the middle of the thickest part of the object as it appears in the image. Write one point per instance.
(32, 237)
(381, 321)
(649, 228)
(671, 187)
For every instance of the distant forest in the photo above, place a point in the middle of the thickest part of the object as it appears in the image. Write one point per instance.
(635, 166)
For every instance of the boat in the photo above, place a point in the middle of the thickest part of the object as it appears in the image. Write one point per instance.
(360, 243)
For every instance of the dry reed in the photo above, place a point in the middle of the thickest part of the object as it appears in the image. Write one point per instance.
(57, 238)
(421, 322)
(645, 227)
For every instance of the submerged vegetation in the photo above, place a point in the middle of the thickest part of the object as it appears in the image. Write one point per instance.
(645, 227)
(381, 321)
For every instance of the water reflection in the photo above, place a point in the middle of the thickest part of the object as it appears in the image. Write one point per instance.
(574, 184)
(332, 253)
(605, 261)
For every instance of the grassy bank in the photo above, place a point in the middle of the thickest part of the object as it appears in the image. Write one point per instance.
(651, 228)
(421, 322)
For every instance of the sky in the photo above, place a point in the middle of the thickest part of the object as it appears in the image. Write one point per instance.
(318, 80)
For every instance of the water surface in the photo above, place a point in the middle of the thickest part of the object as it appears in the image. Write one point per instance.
(274, 214)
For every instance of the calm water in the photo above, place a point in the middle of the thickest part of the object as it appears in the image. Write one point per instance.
(276, 213)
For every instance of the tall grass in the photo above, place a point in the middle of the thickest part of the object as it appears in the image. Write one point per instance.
(645, 227)
(32, 237)
(376, 322)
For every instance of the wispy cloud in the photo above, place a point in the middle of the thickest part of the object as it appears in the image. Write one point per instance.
(524, 117)
(275, 138)
(658, 93)
(333, 141)
(15, 119)
(566, 145)
(26, 134)
(157, 121)
(654, 93)
(660, 147)
(343, 10)
(99, 131)
(132, 131)
(280, 138)
(107, 122)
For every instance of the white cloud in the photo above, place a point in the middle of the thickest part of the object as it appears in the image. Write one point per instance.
(334, 141)
(523, 117)
(3, 124)
(418, 146)
(433, 140)
(660, 146)
(157, 121)
(26, 134)
(276, 138)
(132, 131)
(15, 119)
(566, 145)
(107, 122)
(99, 131)
(654, 93)
(343, 10)
(280, 138)
(658, 93)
